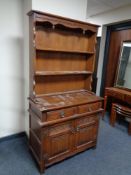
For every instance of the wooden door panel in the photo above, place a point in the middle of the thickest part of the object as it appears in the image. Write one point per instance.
(58, 142)
(86, 135)
(87, 129)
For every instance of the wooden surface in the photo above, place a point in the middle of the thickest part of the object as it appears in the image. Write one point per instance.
(115, 41)
(64, 113)
(62, 100)
(120, 94)
(62, 48)
(120, 110)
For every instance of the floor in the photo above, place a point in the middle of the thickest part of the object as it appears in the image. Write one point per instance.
(111, 157)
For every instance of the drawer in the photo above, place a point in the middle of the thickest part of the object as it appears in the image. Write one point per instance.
(58, 114)
(89, 107)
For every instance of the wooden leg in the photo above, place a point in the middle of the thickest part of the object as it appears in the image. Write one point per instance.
(42, 168)
(105, 103)
(129, 128)
(113, 115)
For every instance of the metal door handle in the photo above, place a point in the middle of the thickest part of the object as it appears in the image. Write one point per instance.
(62, 114)
(77, 129)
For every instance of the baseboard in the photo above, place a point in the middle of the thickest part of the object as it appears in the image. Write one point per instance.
(14, 136)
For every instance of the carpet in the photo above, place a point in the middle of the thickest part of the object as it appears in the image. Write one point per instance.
(111, 157)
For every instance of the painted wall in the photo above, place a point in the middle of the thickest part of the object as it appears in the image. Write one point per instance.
(104, 19)
(27, 7)
(12, 82)
(14, 48)
(75, 9)
(70, 8)
(113, 16)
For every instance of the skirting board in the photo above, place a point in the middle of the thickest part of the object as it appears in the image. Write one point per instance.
(14, 136)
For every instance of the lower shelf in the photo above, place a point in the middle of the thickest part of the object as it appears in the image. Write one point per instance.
(49, 73)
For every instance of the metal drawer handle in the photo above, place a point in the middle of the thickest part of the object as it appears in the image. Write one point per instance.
(62, 114)
(90, 109)
(72, 130)
(77, 129)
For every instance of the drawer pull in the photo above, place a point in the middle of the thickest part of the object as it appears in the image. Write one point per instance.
(72, 130)
(77, 129)
(90, 109)
(62, 114)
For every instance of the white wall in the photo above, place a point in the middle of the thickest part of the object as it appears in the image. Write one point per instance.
(113, 16)
(27, 8)
(104, 19)
(75, 9)
(14, 49)
(12, 83)
(70, 8)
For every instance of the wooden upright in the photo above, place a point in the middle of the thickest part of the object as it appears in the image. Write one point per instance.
(64, 113)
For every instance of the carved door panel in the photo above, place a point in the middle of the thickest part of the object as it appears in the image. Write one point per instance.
(58, 141)
(86, 131)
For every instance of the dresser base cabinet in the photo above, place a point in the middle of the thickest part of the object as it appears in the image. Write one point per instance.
(56, 134)
(61, 141)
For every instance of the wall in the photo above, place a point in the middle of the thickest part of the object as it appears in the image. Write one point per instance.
(12, 82)
(75, 9)
(104, 19)
(113, 16)
(14, 48)
(70, 8)
(27, 7)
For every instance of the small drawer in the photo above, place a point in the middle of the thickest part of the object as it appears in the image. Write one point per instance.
(89, 107)
(116, 95)
(58, 114)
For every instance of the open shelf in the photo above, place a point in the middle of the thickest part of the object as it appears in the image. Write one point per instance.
(49, 73)
(64, 51)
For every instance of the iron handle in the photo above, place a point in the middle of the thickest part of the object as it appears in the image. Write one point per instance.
(72, 130)
(77, 129)
(90, 109)
(62, 114)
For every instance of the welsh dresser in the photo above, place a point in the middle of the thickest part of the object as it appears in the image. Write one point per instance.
(64, 113)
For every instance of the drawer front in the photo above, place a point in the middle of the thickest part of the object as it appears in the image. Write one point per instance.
(89, 107)
(57, 114)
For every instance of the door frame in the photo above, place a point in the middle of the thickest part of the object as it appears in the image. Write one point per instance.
(95, 78)
(115, 27)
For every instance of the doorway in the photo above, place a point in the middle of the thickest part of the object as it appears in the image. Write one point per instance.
(116, 34)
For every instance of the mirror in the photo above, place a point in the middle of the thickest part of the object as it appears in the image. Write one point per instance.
(123, 78)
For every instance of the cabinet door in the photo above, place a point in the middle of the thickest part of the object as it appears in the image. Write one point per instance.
(86, 132)
(58, 141)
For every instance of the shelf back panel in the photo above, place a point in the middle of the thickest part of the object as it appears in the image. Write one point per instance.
(48, 61)
(47, 39)
(90, 63)
(59, 83)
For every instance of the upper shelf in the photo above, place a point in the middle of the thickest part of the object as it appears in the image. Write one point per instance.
(49, 73)
(64, 51)
(61, 24)
(65, 27)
